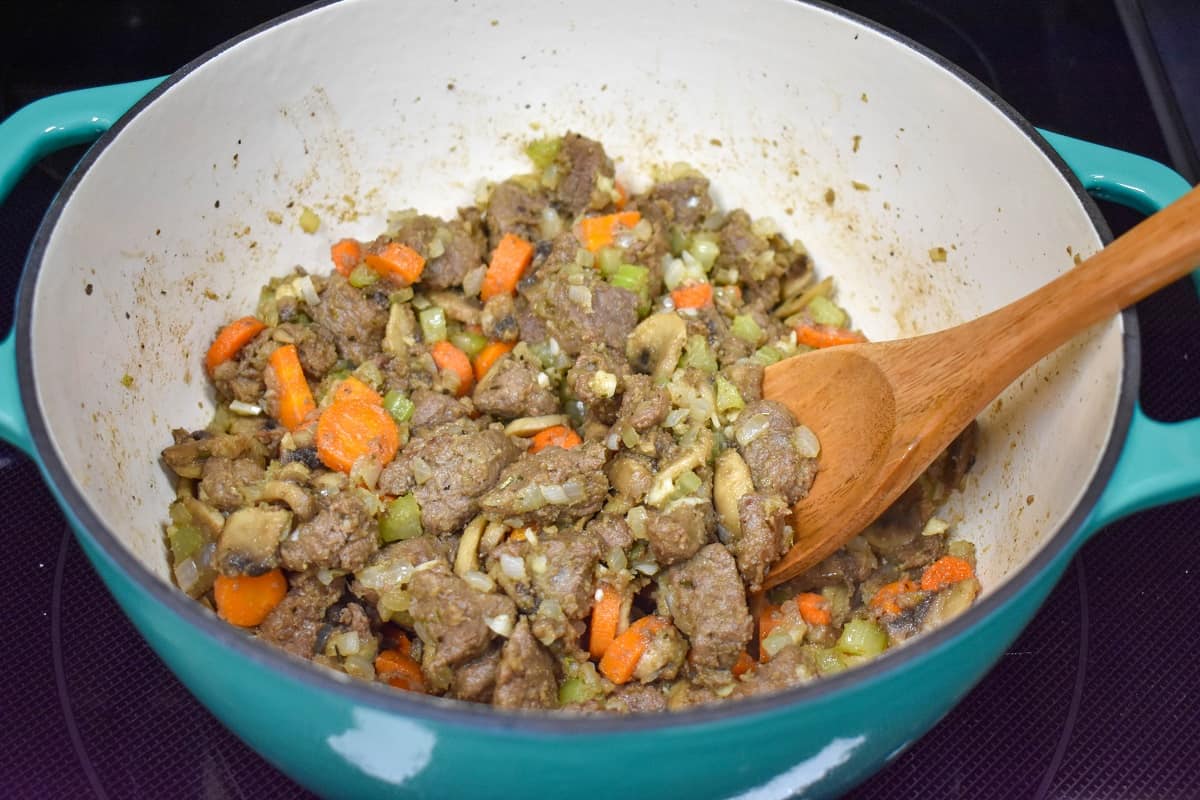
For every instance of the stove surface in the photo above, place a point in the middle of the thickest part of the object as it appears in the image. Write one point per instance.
(1096, 699)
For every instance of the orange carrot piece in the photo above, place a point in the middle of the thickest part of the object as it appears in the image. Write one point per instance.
(450, 359)
(346, 254)
(399, 669)
(745, 663)
(885, 600)
(397, 262)
(819, 336)
(945, 571)
(352, 388)
(696, 295)
(814, 609)
(246, 601)
(606, 617)
(768, 620)
(596, 233)
(295, 398)
(518, 535)
(349, 429)
(509, 261)
(489, 355)
(232, 338)
(622, 195)
(622, 656)
(556, 435)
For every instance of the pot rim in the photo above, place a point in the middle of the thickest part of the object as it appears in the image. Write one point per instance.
(539, 724)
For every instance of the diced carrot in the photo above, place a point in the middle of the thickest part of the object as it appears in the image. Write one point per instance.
(885, 600)
(945, 571)
(489, 355)
(399, 669)
(346, 254)
(745, 663)
(622, 656)
(606, 617)
(814, 609)
(768, 620)
(232, 338)
(450, 359)
(697, 295)
(509, 262)
(349, 429)
(622, 195)
(246, 601)
(596, 233)
(556, 435)
(295, 398)
(518, 535)
(397, 262)
(819, 336)
(352, 388)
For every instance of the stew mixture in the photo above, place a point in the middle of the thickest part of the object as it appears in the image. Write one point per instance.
(521, 457)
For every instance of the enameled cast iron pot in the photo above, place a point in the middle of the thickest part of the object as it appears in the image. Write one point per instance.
(162, 234)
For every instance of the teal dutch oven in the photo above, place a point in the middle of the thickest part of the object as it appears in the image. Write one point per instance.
(190, 199)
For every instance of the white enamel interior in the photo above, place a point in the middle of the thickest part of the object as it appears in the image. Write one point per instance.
(422, 101)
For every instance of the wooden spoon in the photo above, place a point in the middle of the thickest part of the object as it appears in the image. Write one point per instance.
(884, 410)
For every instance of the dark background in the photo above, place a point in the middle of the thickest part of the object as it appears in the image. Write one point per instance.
(1096, 700)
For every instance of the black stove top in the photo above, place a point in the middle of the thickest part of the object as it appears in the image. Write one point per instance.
(1096, 699)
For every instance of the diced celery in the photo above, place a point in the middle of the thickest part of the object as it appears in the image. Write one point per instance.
(369, 373)
(704, 249)
(767, 355)
(862, 637)
(824, 311)
(677, 241)
(542, 152)
(687, 483)
(399, 406)
(268, 309)
(469, 342)
(609, 260)
(745, 328)
(631, 277)
(838, 598)
(401, 520)
(573, 691)
(728, 396)
(827, 661)
(185, 541)
(433, 324)
(697, 353)
(362, 275)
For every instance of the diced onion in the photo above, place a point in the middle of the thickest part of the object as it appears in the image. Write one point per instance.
(612, 441)
(754, 427)
(421, 470)
(806, 442)
(604, 384)
(643, 230)
(935, 527)
(636, 519)
(616, 561)
(538, 564)
(581, 296)
(501, 625)
(776, 641)
(555, 494)
(304, 287)
(646, 567)
(479, 582)
(343, 644)
(513, 567)
(365, 470)
(359, 666)
(245, 409)
(530, 499)
(187, 574)
(676, 416)
(473, 281)
(573, 490)
(550, 224)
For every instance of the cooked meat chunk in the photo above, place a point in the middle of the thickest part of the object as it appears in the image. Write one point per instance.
(747, 377)
(771, 454)
(606, 317)
(526, 678)
(643, 405)
(581, 161)
(678, 533)
(518, 494)
(896, 537)
(636, 698)
(786, 668)
(225, 479)
(476, 679)
(705, 598)
(514, 209)
(613, 531)
(451, 619)
(296, 622)
(341, 536)
(569, 574)
(761, 541)
(396, 559)
(510, 389)
(355, 322)
(499, 319)
(687, 197)
(597, 379)
(458, 463)
(740, 247)
(433, 408)
(315, 346)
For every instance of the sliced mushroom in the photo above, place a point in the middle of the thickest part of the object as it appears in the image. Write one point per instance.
(186, 457)
(656, 343)
(731, 481)
(630, 475)
(401, 330)
(294, 496)
(692, 458)
(528, 426)
(457, 307)
(467, 558)
(249, 543)
(204, 515)
(799, 302)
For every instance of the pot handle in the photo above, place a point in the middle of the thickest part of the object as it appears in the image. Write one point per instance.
(29, 134)
(1160, 462)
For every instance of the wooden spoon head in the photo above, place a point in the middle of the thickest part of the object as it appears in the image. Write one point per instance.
(848, 402)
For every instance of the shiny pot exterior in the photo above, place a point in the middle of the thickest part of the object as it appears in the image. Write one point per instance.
(171, 225)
